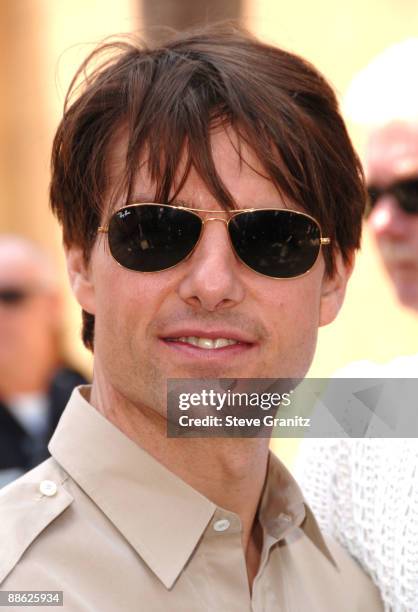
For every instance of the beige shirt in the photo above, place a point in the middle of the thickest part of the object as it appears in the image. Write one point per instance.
(114, 530)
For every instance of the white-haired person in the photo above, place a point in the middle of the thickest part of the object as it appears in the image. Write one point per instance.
(365, 492)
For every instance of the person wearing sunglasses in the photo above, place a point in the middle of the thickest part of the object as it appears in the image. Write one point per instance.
(365, 492)
(211, 204)
(392, 176)
(35, 380)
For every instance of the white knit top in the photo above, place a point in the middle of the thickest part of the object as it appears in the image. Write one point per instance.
(365, 494)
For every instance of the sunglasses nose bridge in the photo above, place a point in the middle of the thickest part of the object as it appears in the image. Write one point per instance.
(207, 219)
(216, 219)
(225, 221)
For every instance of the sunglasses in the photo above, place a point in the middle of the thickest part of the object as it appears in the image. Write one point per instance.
(405, 192)
(278, 243)
(11, 296)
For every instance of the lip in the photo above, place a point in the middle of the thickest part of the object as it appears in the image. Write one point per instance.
(230, 334)
(193, 355)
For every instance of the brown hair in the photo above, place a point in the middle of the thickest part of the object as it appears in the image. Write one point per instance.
(168, 98)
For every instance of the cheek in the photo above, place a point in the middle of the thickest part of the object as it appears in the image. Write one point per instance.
(39, 319)
(295, 304)
(125, 304)
(300, 322)
(13, 327)
(292, 310)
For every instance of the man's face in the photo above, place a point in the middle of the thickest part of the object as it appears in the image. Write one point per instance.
(29, 315)
(210, 295)
(393, 156)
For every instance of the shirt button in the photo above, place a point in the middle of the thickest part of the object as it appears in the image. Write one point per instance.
(221, 525)
(285, 517)
(48, 488)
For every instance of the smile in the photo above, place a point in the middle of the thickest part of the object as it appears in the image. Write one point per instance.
(205, 343)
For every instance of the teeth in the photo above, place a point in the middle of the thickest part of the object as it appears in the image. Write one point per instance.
(207, 343)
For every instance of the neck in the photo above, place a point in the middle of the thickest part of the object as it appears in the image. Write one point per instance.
(229, 472)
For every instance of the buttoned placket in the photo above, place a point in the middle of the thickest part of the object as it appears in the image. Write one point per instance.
(220, 555)
(277, 531)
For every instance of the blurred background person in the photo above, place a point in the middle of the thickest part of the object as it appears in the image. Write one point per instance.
(365, 492)
(35, 381)
(392, 176)
(384, 97)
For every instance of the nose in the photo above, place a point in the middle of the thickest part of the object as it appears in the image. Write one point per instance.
(388, 220)
(212, 278)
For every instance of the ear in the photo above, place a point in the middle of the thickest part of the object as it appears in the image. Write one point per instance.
(333, 289)
(80, 275)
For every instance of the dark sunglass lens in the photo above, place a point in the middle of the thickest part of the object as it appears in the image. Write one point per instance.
(12, 297)
(406, 192)
(277, 243)
(150, 238)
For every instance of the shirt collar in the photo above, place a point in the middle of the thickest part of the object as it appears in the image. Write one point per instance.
(134, 491)
(283, 510)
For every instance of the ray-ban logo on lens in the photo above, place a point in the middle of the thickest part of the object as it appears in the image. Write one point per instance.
(124, 213)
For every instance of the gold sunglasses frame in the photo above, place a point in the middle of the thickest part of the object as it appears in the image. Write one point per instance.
(104, 229)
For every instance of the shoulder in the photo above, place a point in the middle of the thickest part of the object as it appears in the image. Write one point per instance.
(358, 583)
(27, 507)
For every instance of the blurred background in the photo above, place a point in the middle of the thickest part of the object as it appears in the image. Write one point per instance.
(42, 42)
